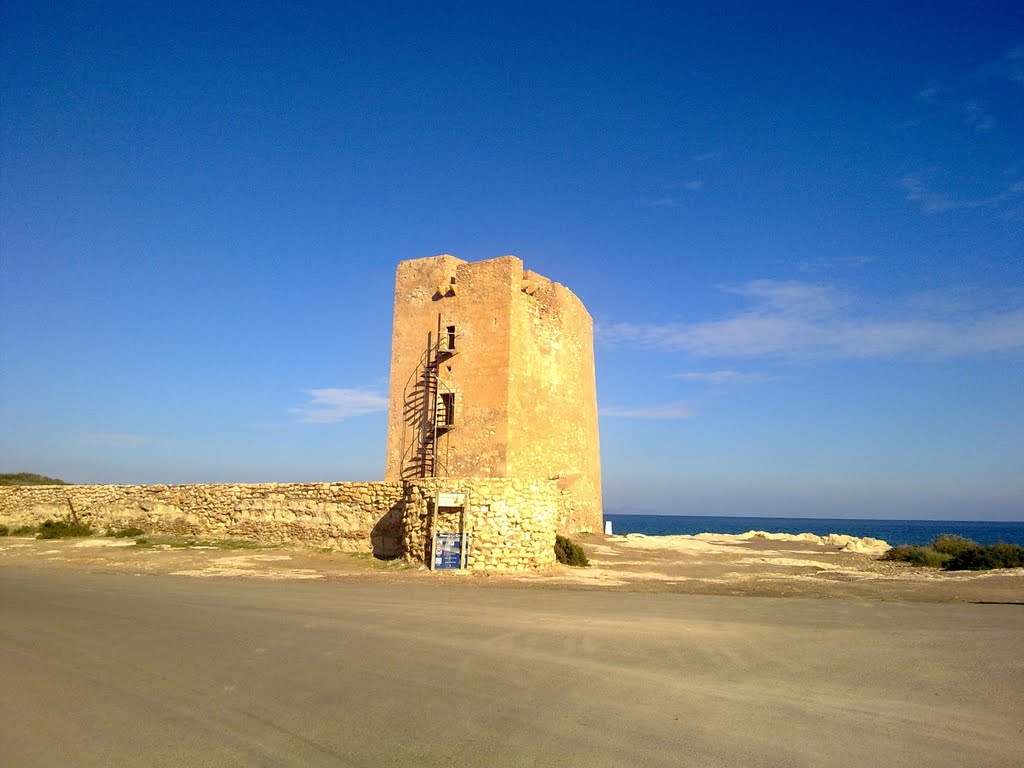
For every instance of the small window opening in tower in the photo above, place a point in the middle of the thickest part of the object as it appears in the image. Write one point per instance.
(451, 337)
(446, 413)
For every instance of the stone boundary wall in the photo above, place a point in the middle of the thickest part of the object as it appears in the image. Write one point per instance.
(510, 521)
(352, 517)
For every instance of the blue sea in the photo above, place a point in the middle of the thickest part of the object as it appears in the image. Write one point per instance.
(893, 531)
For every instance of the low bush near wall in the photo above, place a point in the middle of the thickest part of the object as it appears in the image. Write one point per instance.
(986, 558)
(24, 530)
(62, 529)
(28, 478)
(952, 545)
(4, 530)
(570, 553)
(955, 553)
(922, 556)
(123, 533)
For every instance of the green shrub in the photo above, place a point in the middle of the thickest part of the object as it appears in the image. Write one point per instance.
(901, 553)
(28, 478)
(570, 553)
(955, 553)
(986, 558)
(24, 530)
(1011, 555)
(4, 530)
(124, 533)
(926, 557)
(62, 529)
(929, 558)
(950, 544)
(978, 559)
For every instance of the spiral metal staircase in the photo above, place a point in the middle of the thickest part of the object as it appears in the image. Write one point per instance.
(428, 411)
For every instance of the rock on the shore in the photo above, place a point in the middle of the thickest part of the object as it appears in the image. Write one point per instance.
(865, 545)
(844, 543)
(722, 541)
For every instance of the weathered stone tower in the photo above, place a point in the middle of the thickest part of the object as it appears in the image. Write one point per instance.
(492, 375)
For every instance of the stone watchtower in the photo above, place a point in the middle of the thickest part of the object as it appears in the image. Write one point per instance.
(492, 375)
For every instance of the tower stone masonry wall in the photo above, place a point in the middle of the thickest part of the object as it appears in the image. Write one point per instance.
(521, 379)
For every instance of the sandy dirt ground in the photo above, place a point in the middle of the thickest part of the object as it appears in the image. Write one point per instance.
(667, 651)
(114, 669)
(771, 566)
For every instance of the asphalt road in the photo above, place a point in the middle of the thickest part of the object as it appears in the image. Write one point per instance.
(120, 670)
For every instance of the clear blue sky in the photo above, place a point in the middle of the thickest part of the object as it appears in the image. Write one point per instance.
(800, 231)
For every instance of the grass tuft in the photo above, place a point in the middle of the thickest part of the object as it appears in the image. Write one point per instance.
(190, 542)
(62, 529)
(929, 557)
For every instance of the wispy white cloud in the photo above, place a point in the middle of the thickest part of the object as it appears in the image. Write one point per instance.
(795, 320)
(833, 263)
(976, 117)
(977, 101)
(790, 297)
(670, 191)
(115, 439)
(719, 378)
(928, 94)
(1015, 67)
(669, 200)
(666, 411)
(917, 190)
(666, 201)
(992, 72)
(327, 406)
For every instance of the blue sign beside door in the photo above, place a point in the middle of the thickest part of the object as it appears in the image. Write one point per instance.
(447, 551)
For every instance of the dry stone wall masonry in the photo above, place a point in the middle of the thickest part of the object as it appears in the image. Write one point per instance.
(351, 517)
(511, 521)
